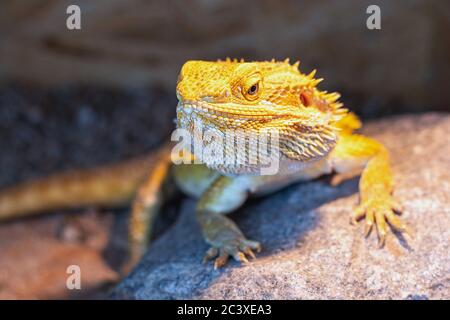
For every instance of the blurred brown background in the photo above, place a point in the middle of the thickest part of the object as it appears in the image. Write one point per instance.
(136, 43)
(106, 92)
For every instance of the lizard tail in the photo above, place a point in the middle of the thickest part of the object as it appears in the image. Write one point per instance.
(107, 186)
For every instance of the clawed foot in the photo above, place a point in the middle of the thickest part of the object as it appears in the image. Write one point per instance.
(225, 239)
(240, 249)
(378, 211)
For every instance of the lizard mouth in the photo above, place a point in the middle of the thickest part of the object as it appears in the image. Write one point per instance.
(226, 111)
(264, 115)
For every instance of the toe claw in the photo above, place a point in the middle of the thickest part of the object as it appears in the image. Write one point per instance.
(368, 229)
(380, 212)
(239, 256)
(247, 247)
(381, 227)
(210, 254)
(381, 239)
(250, 253)
(358, 214)
(255, 245)
(240, 250)
(221, 260)
(397, 207)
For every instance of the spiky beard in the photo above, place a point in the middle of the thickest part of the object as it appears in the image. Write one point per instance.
(302, 139)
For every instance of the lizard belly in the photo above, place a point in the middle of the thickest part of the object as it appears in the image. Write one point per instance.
(263, 185)
(194, 179)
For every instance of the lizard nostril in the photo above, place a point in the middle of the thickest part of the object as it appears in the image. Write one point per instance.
(180, 78)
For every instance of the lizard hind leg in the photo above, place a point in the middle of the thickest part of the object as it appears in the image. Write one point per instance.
(358, 153)
(145, 206)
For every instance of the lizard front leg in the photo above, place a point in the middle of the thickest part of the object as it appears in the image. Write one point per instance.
(224, 195)
(377, 205)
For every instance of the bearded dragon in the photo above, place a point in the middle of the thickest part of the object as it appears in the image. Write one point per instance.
(315, 137)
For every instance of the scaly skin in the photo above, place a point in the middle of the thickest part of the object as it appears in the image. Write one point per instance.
(316, 134)
(315, 138)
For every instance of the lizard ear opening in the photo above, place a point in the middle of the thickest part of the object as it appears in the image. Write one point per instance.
(305, 99)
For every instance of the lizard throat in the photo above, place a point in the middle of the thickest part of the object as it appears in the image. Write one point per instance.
(302, 138)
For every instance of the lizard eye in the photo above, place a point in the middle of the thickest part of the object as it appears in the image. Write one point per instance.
(252, 92)
(253, 89)
(250, 87)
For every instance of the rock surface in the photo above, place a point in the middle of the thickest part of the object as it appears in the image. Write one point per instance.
(35, 255)
(310, 251)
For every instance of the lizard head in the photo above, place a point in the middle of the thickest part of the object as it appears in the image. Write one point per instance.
(257, 96)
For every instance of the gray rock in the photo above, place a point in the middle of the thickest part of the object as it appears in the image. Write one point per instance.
(310, 251)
